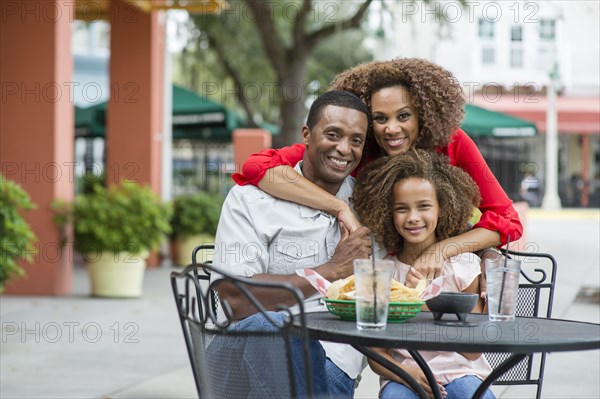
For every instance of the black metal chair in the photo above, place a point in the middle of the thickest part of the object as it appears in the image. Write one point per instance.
(219, 373)
(205, 250)
(534, 299)
(208, 250)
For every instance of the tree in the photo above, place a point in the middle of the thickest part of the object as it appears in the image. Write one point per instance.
(269, 46)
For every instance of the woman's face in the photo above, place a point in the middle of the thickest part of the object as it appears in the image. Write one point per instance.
(395, 120)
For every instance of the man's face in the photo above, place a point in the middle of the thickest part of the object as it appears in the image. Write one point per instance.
(334, 146)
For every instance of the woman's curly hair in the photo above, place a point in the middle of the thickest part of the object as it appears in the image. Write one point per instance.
(435, 94)
(457, 194)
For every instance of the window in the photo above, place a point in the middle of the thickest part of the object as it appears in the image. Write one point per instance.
(486, 28)
(516, 33)
(516, 58)
(547, 29)
(543, 58)
(516, 47)
(488, 56)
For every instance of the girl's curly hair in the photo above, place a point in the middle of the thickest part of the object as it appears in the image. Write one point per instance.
(435, 93)
(457, 194)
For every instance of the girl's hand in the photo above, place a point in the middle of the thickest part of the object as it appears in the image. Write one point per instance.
(419, 376)
(428, 265)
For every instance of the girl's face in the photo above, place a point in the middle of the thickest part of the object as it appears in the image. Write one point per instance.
(395, 120)
(416, 211)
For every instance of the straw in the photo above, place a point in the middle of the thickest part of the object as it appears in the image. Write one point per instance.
(503, 276)
(374, 280)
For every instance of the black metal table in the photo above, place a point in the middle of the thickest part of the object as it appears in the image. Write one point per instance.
(521, 337)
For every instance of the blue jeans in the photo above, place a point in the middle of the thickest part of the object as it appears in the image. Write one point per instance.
(460, 388)
(256, 367)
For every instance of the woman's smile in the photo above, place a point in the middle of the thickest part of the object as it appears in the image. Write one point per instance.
(395, 120)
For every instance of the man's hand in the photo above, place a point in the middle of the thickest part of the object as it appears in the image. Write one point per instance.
(355, 245)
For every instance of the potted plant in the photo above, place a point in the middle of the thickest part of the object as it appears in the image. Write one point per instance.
(194, 222)
(16, 237)
(115, 228)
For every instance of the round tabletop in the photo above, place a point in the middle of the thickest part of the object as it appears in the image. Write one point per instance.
(524, 335)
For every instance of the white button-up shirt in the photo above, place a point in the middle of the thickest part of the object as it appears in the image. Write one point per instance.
(261, 234)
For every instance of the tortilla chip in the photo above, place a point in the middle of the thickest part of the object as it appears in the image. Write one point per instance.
(340, 287)
(421, 286)
(401, 293)
(344, 289)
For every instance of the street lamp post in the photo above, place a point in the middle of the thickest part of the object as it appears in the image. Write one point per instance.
(551, 199)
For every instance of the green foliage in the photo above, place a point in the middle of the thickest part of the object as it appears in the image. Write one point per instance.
(336, 54)
(125, 217)
(196, 214)
(16, 237)
(89, 180)
(198, 67)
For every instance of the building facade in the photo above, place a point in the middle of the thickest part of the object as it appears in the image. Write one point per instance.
(505, 54)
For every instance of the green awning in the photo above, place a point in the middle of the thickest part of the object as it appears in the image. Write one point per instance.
(189, 108)
(90, 121)
(197, 117)
(194, 117)
(480, 122)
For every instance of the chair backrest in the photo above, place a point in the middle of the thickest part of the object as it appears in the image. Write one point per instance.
(534, 299)
(205, 251)
(220, 373)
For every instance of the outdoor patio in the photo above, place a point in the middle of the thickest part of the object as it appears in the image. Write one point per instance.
(82, 347)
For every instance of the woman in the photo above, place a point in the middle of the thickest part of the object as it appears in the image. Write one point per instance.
(413, 103)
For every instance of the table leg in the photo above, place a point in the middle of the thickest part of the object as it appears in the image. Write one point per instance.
(428, 373)
(412, 383)
(497, 373)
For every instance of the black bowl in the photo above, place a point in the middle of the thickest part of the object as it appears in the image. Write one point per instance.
(459, 303)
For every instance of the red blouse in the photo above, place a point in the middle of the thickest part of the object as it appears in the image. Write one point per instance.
(497, 212)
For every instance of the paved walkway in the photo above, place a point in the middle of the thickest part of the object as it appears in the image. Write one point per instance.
(83, 347)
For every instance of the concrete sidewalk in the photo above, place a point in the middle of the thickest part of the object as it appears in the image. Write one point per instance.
(83, 347)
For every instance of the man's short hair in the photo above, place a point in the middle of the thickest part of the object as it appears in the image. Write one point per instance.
(338, 98)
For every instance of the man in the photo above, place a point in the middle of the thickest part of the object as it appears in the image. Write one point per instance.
(268, 239)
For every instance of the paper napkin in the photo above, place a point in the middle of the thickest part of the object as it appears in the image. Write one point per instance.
(315, 279)
(434, 289)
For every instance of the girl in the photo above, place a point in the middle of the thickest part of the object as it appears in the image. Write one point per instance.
(422, 200)
(414, 104)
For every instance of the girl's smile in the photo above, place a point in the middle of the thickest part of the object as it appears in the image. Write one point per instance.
(416, 211)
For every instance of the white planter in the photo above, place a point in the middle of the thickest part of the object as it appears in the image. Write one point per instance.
(186, 244)
(118, 275)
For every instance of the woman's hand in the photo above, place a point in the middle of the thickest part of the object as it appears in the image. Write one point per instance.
(347, 218)
(427, 266)
(431, 261)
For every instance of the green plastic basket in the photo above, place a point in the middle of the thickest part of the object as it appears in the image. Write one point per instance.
(398, 312)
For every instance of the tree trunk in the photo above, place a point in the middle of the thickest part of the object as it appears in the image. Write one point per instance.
(292, 92)
(293, 115)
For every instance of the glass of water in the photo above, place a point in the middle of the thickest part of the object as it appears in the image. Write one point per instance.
(502, 287)
(372, 280)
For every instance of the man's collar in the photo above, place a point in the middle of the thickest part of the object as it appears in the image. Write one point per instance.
(298, 168)
(306, 211)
